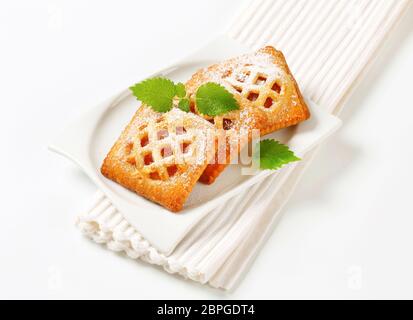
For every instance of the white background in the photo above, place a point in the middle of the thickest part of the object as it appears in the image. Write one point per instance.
(346, 233)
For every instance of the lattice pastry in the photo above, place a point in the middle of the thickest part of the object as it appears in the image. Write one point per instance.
(161, 156)
(265, 89)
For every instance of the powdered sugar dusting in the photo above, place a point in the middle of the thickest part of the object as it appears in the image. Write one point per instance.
(235, 69)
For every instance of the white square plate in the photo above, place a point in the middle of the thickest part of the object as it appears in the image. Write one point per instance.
(88, 140)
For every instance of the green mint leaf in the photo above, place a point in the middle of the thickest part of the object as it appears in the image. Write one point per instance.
(180, 90)
(213, 99)
(156, 93)
(274, 155)
(184, 105)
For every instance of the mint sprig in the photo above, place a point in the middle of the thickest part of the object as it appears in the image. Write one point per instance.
(273, 155)
(213, 99)
(160, 94)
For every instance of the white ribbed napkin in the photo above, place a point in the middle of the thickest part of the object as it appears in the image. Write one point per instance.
(328, 44)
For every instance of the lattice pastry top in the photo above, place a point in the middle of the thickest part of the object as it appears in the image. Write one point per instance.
(161, 156)
(265, 89)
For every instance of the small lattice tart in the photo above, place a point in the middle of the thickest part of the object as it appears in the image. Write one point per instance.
(160, 156)
(265, 89)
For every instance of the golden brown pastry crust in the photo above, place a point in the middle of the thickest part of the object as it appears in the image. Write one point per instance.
(144, 158)
(265, 89)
